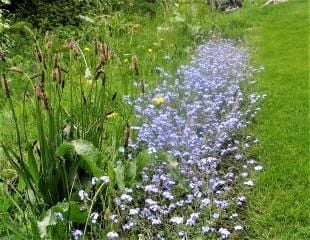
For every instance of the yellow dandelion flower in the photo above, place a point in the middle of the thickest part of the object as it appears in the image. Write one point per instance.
(150, 50)
(112, 115)
(87, 49)
(159, 100)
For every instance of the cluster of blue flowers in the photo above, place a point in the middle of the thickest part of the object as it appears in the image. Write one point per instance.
(195, 119)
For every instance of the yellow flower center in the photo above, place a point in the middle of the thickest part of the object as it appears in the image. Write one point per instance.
(159, 100)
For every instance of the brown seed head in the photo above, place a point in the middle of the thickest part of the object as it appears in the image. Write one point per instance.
(127, 135)
(6, 86)
(135, 64)
(48, 40)
(2, 57)
(142, 86)
(56, 59)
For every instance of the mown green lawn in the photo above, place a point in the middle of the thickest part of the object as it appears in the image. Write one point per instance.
(280, 203)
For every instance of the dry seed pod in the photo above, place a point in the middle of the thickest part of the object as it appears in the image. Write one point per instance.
(49, 44)
(127, 135)
(48, 40)
(56, 59)
(106, 52)
(56, 74)
(100, 47)
(2, 57)
(135, 64)
(40, 56)
(6, 86)
(102, 59)
(39, 92)
(96, 46)
(142, 86)
(41, 95)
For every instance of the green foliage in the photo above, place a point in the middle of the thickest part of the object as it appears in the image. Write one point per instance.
(69, 128)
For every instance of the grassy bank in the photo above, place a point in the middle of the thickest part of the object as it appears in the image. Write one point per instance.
(129, 54)
(279, 205)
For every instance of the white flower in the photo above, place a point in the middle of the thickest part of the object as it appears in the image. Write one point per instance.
(67, 130)
(206, 229)
(234, 215)
(168, 195)
(83, 195)
(244, 174)
(126, 197)
(251, 161)
(205, 202)
(177, 220)
(151, 189)
(128, 190)
(59, 216)
(258, 168)
(76, 234)
(105, 179)
(88, 74)
(150, 202)
(113, 218)
(121, 149)
(249, 183)
(224, 233)
(156, 221)
(238, 228)
(94, 217)
(134, 211)
(94, 181)
(112, 235)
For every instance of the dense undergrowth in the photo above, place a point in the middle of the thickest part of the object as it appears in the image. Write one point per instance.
(68, 125)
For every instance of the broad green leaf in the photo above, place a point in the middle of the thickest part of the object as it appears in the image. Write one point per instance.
(63, 149)
(119, 176)
(131, 169)
(88, 153)
(72, 210)
(48, 220)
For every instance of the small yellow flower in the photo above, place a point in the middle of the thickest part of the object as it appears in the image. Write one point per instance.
(126, 60)
(112, 115)
(87, 49)
(150, 50)
(159, 100)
